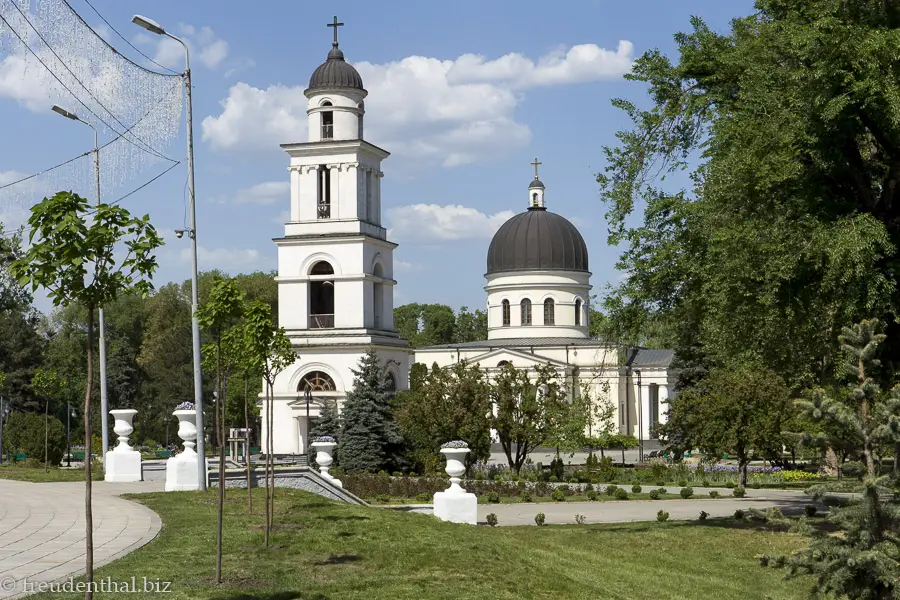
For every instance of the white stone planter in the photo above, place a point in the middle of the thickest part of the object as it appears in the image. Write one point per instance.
(325, 458)
(455, 504)
(181, 469)
(123, 427)
(123, 463)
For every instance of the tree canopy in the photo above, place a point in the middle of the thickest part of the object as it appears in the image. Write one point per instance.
(788, 126)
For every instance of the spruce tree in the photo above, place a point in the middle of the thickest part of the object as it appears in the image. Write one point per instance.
(329, 421)
(370, 439)
(863, 560)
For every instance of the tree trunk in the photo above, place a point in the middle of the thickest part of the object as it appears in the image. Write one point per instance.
(742, 473)
(247, 447)
(220, 402)
(88, 514)
(46, 442)
(272, 448)
(897, 460)
(268, 460)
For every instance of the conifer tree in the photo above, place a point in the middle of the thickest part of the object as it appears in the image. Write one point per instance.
(329, 421)
(370, 439)
(863, 560)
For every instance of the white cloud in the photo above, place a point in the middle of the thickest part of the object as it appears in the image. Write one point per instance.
(432, 222)
(264, 194)
(402, 266)
(25, 82)
(204, 45)
(451, 112)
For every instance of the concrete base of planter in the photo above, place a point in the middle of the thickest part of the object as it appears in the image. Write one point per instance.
(181, 472)
(123, 466)
(456, 507)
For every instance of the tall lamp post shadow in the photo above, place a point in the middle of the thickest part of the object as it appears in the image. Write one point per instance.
(70, 412)
(104, 399)
(156, 28)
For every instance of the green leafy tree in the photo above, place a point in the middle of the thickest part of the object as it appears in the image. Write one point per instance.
(329, 421)
(435, 324)
(785, 128)
(470, 326)
(447, 403)
(29, 433)
(524, 409)
(72, 257)
(370, 439)
(739, 411)
(270, 350)
(218, 315)
(863, 560)
(47, 385)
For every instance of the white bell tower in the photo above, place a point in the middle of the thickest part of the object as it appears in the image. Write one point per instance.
(335, 264)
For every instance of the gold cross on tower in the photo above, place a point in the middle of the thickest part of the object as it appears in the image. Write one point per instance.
(335, 24)
(536, 164)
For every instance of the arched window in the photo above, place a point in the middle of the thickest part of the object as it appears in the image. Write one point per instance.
(578, 311)
(390, 384)
(549, 312)
(526, 311)
(534, 201)
(316, 381)
(503, 363)
(327, 122)
(321, 296)
(506, 313)
(323, 192)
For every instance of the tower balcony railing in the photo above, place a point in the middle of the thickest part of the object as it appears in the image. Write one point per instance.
(327, 132)
(321, 321)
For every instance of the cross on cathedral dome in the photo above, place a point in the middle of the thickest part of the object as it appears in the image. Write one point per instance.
(335, 72)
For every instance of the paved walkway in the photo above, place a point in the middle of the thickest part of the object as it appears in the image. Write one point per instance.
(790, 502)
(42, 529)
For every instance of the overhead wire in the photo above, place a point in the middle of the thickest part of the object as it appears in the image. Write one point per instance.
(139, 143)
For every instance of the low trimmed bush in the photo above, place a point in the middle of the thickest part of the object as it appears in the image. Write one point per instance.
(492, 520)
(686, 492)
(704, 515)
(539, 519)
(713, 494)
(558, 496)
(525, 497)
(662, 515)
(739, 515)
(579, 519)
(493, 498)
(621, 494)
(654, 494)
(592, 495)
(636, 489)
(611, 490)
(810, 510)
(738, 492)
(682, 483)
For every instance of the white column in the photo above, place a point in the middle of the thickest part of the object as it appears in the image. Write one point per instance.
(645, 411)
(334, 171)
(296, 194)
(377, 201)
(663, 405)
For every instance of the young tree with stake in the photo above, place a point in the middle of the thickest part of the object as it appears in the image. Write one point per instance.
(72, 257)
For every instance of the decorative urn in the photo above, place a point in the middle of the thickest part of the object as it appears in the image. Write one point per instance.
(324, 446)
(187, 425)
(123, 427)
(455, 453)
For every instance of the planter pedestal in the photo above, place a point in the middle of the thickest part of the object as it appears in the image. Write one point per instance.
(325, 458)
(181, 469)
(123, 463)
(455, 504)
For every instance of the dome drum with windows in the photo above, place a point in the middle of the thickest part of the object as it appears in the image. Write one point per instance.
(537, 272)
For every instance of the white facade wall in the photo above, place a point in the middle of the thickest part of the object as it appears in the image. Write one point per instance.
(563, 287)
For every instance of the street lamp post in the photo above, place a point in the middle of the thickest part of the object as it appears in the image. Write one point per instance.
(308, 395)
(104, 399)
(70, 412)
(640, 411)
(154, 27)
(2, 416)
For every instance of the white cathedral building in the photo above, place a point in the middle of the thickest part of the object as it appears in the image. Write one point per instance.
(336, 277)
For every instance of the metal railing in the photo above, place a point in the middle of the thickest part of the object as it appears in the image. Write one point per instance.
(327, 132)
(321, 321)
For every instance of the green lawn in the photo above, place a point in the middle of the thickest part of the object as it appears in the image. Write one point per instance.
(38, 475)
(326, 550)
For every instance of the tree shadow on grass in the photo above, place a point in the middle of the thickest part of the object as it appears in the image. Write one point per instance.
(344, 518)
(339, 559)
(272, 596)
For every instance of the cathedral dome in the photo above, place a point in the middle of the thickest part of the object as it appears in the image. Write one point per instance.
(335, 73)
(537, 240)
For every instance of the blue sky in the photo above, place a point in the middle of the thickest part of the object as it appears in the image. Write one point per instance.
(535, 79)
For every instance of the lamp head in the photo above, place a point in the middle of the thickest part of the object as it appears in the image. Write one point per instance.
(148, 24)
(61, 111)
(179, 233)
